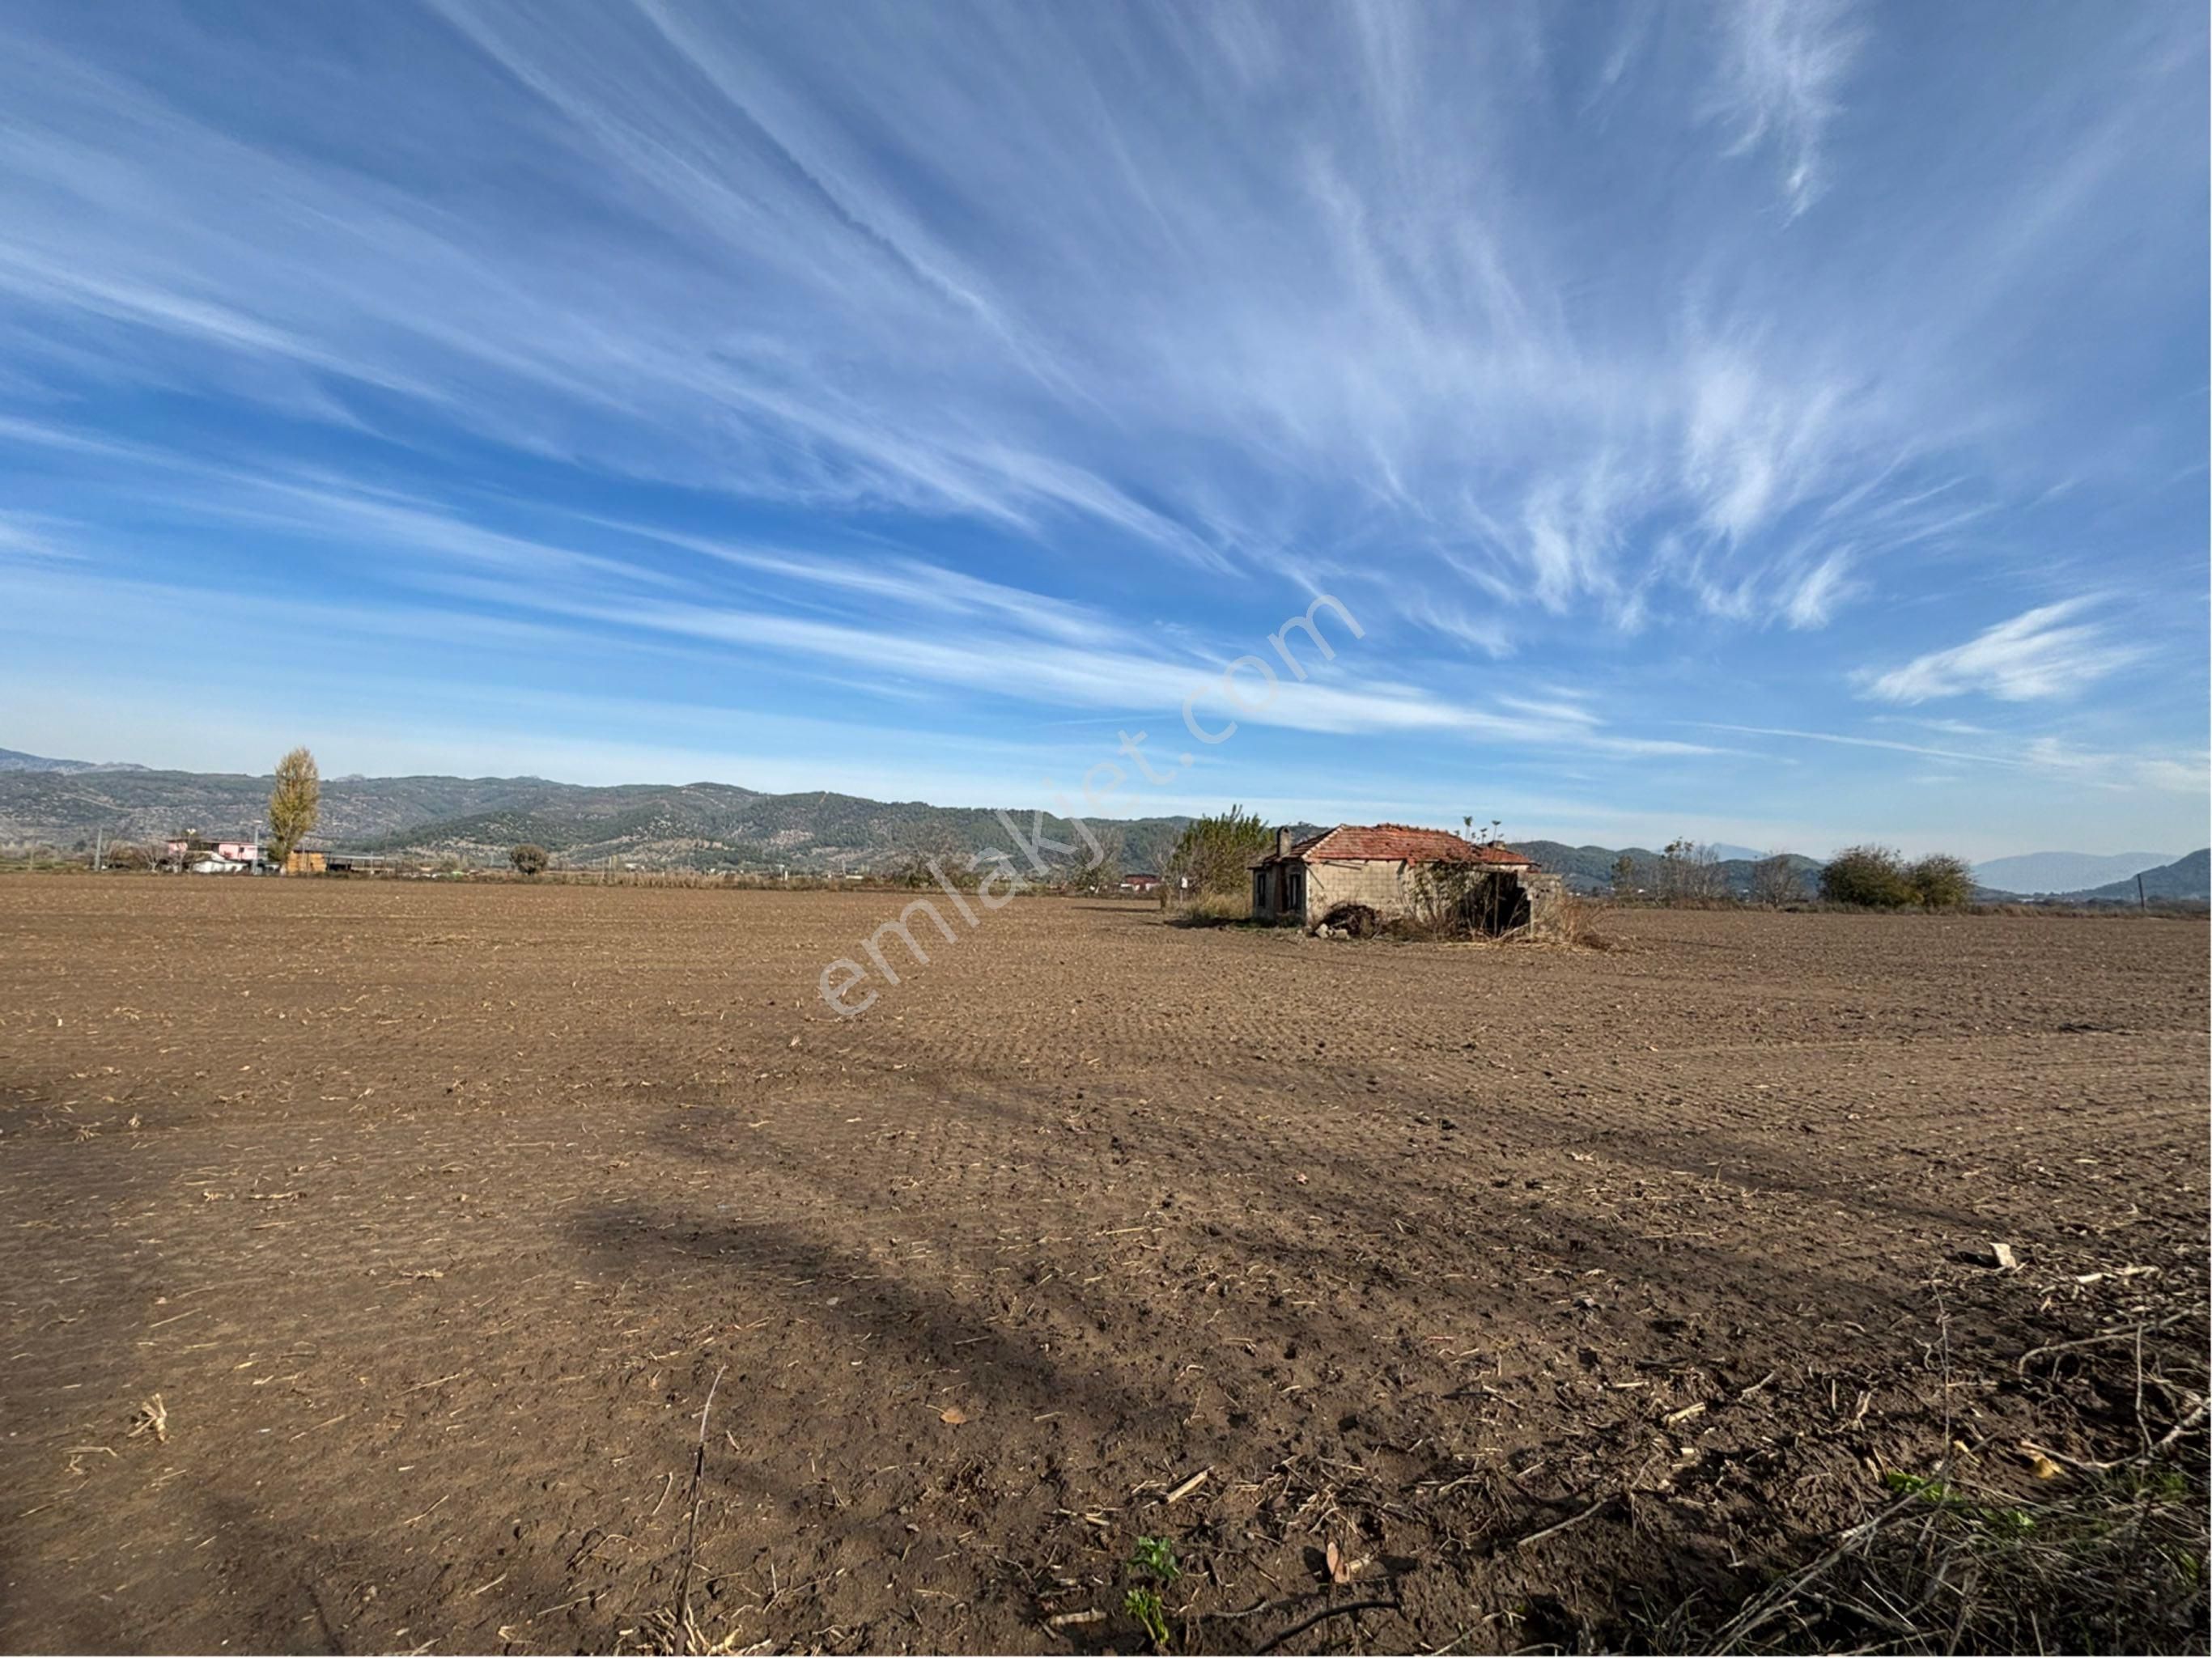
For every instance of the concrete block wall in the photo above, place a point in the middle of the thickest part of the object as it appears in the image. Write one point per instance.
(1391, 889)
(1381, 886)
(1548, 894)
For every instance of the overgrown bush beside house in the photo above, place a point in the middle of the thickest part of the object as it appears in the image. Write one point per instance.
(1216, 855)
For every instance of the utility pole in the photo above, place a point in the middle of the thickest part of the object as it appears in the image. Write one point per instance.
(2141, 902)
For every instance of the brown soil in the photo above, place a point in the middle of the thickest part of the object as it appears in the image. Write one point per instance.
(432, 1212)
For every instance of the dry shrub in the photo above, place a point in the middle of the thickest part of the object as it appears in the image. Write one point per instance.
(1464, 901)
(2114, 1563)
(2024, 1547)
(1464, 910)
(1214, 909)
(1360, 920)
(663, 1633)
(1577, 923)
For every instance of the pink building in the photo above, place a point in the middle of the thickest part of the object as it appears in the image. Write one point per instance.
(191, 850)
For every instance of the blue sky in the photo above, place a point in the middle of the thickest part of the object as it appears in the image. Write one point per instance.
(1778, 423)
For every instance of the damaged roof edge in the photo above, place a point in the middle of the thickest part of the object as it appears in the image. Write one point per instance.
(1356, 844)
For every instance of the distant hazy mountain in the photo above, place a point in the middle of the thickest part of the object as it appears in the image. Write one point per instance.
(476, 819)
(16, 760)
(63, 803)
(2064, 871)
(689, 826)
(1730, 853)
(2185, 878)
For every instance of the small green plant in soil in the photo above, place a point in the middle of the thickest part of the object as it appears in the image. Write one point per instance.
(1153, 1560)
(1149, 1612)
(1942, 1495)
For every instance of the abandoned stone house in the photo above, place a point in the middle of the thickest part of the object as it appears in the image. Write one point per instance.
(1392, 870)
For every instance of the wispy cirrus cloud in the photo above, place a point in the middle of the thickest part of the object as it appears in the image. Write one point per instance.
(1684, 357)
(1781, 82)
(2039, 653)
(1227, 314)
(27, 537)
(884, 622)
(1814, 599)
(2121, 771)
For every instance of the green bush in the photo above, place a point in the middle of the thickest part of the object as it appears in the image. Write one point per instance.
(1876, 877)
(530, 859)
(1869, 877)
(1941, 882)
(1216, 853)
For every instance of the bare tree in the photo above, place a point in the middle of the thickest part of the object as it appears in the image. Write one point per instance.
(1776, 880)
(919, 846)
(1104, 874)
(1690, 873)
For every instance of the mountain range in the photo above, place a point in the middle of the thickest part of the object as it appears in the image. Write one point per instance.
(16, 760)
(2065, 871)
(2184, 878)
(476, 819)
(65, 803)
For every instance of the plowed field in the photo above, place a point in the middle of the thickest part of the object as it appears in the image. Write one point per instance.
(431, 1213)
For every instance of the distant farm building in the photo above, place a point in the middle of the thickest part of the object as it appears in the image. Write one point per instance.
(205, 855)
(1140, 884)
(1393, 870)
(200, 854)
(315, 860)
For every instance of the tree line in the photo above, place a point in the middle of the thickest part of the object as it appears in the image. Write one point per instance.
(1861, 877)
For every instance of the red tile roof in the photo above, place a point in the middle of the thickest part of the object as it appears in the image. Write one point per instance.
(1398, 842)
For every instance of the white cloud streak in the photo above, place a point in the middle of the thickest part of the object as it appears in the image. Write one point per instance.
(1026, 353)
(1110, 278)
(1781, 80)
(2038, 655)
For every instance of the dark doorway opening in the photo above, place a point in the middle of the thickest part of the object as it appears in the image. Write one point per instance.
(1495, 905)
